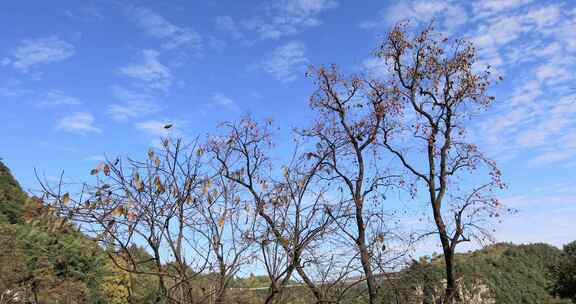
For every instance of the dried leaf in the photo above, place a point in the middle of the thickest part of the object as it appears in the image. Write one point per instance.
(118, 211)
(106, 170)
(159, 186)
(66, 198)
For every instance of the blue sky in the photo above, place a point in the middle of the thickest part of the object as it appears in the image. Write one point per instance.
(80, 79)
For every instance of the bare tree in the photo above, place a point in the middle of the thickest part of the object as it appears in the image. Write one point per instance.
(290, 207)
(220, 222)
(351, 113)
(148, 203)
(440, 87)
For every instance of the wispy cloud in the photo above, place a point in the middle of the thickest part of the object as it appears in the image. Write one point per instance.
(289, 17)
(278, 18)
(33, 52)
(156, 128)
(225, 102)
(448, 13)
(286, 61)
(489, 7)
(230, 26)
(150, 71)
(552, 206)
(171, 35)
(57, 98)
(79, 123)
(131, 104)
(523, 41)
(541, 111)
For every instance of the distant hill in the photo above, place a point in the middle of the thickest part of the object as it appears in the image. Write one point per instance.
(503, 273)
(515, 273)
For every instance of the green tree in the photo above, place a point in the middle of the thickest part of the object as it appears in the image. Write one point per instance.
(563, 273)
(12, 198)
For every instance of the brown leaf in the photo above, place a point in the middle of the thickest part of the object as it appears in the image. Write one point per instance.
(66, 198)
(106, 170)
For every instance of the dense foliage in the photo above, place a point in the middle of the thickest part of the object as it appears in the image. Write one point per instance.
(509, 274)
(563, 272)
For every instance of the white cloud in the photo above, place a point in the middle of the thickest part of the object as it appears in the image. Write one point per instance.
(499, 32)
(151, 71)
(132, 104)
(449, 14)
(286, 61)
(288, 17)
(228, 25)
(552, 206)
(156, 128)
(375, 66)
(78, 122)
(532, 45)
(33, 52)
(173, 36)
(225, 102)
(57, 98)
(490, 7)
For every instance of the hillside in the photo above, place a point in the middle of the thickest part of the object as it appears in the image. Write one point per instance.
(502, 273)
(12, 198)
(47, 261)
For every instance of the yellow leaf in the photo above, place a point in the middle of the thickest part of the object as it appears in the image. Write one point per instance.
(118, 211)
(199, 152)
(221, 221)
(157, 162)
(159, 186)
(150, 153)
(66, 198)
(138, 183)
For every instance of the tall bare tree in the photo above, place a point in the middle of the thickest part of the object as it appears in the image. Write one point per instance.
(350, 114)
(289, 204)
(224, 223)
(441, 86)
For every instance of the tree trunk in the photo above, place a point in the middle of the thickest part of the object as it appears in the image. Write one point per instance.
(365, 255)
(448, 250)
